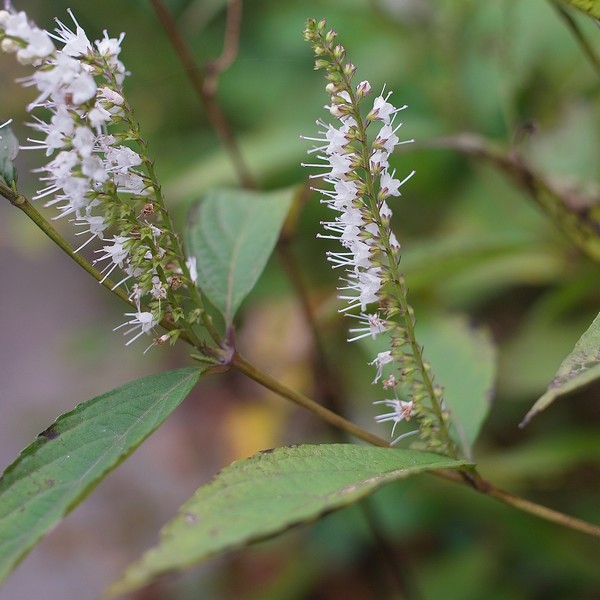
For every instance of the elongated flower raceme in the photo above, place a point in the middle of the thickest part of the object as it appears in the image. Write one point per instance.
(354, 165)
(98, 174)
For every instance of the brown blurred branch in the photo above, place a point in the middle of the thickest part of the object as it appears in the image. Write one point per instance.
(197, 79)
(573, 26)
(327, 381)
(576, 215)
(590, 7)
(479, 484)
(230, 47)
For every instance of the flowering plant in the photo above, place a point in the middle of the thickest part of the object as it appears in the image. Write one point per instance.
(186, 290)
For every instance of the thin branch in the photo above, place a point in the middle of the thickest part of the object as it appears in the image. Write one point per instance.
(543, 512)
(573, 26)
(572, 212)
(396, 560)
(215, 115)
(468, 477)
(325, 376)
(230, 47)
(23, 204)
(244, 366)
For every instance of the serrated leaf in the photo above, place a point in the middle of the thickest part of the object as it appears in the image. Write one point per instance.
(67, 460)
(463, 360)
(266, 494)
(9, 148)
(232, 233)
(580, 368)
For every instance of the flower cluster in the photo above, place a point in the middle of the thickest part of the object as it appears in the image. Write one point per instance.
(93, 177)
(354, 156)
(356, 226)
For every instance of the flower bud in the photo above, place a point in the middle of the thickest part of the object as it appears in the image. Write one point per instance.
(363, 88)
(9, 46)
(339, 52)
(340, 110)
(349, 69)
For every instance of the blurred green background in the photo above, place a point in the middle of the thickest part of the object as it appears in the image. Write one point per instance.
(473, 243)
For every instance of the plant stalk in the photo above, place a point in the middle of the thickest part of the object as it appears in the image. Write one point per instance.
(244, 366)
(25, 205)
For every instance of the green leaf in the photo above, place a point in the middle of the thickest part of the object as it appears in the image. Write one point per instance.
(463, 360)
(591, 7)
(579, 369)
(67, 460)
(232, 234)
(266, 494)
(9, 148)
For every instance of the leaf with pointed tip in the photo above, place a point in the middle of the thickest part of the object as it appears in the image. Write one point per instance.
(232, 233)
(67, 460)
(266, 494)
(463, 359)
(580, 368)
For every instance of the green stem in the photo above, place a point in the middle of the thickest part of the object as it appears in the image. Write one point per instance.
(477, 483)
(244, 366)
(23, 204)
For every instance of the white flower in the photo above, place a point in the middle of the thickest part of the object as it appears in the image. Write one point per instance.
(383, 110)
(192, 268)
(158, 291)
(122, 158)
(95, 226)
(109, 47)
(131, 183)
(143, 320)
(94, 168)
(116, 253)
(388, 186)
(372, 325)
(387, 138)
(57, 131)
(110, 96)
(401, 411)
(17, 25)
(39, 46)
(379, 160)
(75, 44)
(90, 176)
(83, 141)
(383, 358)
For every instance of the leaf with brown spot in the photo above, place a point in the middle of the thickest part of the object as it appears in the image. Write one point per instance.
(68, 460)
(266, 494)
(580, 368)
